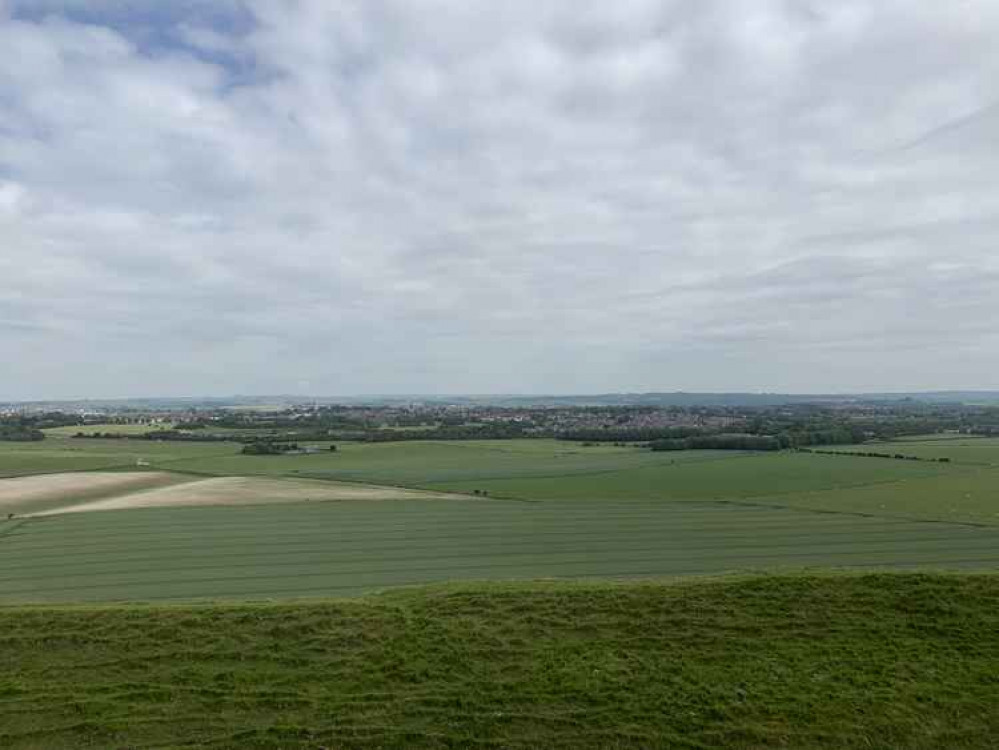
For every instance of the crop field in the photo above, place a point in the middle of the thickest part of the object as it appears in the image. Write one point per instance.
(322, 549)
(424, 462)
(724, 477)
(550, 509)
(553, 470)
(71, 454)
(965, 497)
(960, 449)
(573, 605)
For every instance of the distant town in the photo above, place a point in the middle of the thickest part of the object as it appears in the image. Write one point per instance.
(795, 424)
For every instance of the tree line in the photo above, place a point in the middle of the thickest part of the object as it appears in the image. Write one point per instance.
(876, 454)
(170, 435)
(20, 433)
(270, 448)
(734, 442)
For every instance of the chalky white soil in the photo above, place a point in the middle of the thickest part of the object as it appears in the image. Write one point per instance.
(247, 491)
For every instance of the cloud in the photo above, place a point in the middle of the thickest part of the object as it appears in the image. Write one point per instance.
(470, 197)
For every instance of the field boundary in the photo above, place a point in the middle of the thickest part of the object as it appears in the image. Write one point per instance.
(8, 527)
(858, 513)
(953, 468)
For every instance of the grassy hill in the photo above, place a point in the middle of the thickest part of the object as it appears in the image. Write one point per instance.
(875, 661)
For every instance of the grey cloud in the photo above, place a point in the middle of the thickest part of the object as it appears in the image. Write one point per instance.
(395, 197)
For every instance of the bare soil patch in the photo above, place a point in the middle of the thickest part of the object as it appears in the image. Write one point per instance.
(41, 492)
(250, 491)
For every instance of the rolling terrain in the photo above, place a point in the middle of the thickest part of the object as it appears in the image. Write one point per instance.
(349, 547)
(837, 662)
(202, 521)
(179, 595)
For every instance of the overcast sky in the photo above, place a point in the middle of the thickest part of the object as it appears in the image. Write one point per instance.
(208, 197)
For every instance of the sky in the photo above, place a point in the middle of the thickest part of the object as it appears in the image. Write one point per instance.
(322, 197)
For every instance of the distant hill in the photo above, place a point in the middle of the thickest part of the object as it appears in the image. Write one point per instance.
(675, 398)
(680, 398)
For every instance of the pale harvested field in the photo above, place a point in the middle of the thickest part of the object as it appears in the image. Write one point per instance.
(43, 491)
(249, 491)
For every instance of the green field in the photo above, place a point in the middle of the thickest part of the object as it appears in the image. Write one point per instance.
(724, 477)
(554, 509)
(965, 497)
(417, 463)
(966, 490)
(958, 448)
(553, 470)
(322, 549)
(84, 454)
(882, 662)
(803, 659)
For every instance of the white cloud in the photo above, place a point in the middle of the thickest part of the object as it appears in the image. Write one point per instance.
(388, 196)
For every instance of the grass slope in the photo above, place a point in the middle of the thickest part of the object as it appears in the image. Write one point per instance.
(878, 661)
(323, 549)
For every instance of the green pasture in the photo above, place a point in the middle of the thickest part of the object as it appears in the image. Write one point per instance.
(419, 463)
(322, 549)
(85, 454)
(555, 470)
(725, 476)
(932, 436)
(542, 470)
(963, 497)
(961, 449)
(827, 662)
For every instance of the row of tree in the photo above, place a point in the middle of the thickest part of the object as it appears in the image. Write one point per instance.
(157, 435)
(270, 448)
(875, 454)
(723, 442)
(20, 434)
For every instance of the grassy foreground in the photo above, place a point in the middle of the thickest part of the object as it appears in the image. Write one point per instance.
(877, 661)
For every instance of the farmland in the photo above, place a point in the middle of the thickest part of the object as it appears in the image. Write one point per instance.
(579, 596)
(47, 492)
(553, 470)
(516, 509)
(966, 490)
(962, 449)
(68, 454)
(425, 462)
(315, 549)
